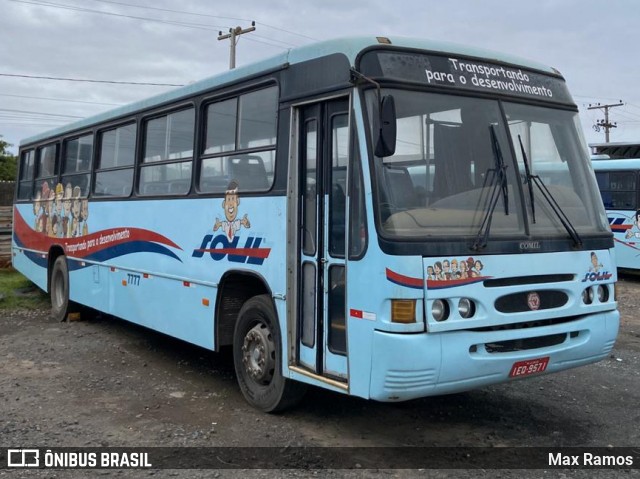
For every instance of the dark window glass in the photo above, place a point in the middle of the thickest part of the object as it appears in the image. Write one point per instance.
(234, 125)
(78, 154)
(310, 191)
(114, 182)
(117, 147)
(252, 172)
(221, 127)
(115, 162)
(618, 189)
(46, 161)
(337, 196)
(258, 118)
(27, 166)
(337, 307)
(170, 137)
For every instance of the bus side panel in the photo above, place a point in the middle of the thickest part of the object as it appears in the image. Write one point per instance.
(159, 262)
(32, 264)
(87, 284)
(181, 309)
(626, 236)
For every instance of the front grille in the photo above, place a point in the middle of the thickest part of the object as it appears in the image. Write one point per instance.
(518, 302)
(525, 344)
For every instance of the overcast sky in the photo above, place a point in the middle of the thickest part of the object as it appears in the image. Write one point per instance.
(594, 43)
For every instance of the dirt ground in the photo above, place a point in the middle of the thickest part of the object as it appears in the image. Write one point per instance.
(106, 382)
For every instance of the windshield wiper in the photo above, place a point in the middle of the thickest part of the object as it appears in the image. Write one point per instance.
(498, 184)
(527, 171)
(546, 194)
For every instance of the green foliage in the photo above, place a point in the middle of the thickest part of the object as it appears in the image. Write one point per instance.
(8, 162)
(17, 292)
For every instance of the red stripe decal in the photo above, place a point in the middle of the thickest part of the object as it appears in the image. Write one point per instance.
(404, 280)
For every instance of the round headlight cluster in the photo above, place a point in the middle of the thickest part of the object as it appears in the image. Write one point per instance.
(440, 309)
(466, 308)
(602, 293)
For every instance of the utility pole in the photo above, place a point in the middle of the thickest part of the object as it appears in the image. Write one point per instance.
(604, 123)
(233, 35)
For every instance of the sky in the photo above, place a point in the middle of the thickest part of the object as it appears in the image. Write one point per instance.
(593, 43)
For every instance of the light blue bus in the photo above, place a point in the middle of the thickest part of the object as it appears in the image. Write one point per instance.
(617, 166)
(366, 215)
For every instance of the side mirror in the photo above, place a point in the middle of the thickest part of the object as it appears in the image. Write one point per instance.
(386, 144)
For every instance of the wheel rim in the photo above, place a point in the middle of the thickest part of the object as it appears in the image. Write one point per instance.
(258, 354)
(58, 289)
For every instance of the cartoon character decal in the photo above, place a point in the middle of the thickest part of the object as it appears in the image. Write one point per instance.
(636, 225)
(231, 225)
(60, 212)
(228, 245)
(455, 269)
(597, 272)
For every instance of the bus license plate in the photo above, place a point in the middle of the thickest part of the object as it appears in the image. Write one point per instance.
(531, 366)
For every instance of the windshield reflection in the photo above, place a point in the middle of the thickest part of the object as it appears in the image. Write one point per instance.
(441, 179)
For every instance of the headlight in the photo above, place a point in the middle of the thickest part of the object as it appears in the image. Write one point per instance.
(587, 296)
(440, 310)
(466, 308)
(603, 293)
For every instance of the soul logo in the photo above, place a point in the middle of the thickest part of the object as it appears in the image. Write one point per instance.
(596, 276)
(220, 247)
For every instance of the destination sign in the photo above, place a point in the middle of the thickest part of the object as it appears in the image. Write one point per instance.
(462, 73)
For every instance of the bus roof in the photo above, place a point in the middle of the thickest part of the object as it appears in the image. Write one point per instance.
(615, 165)
(350, 47)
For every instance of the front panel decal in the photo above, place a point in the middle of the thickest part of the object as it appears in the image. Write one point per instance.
(227, 244)
(449, 273)
(597, 271)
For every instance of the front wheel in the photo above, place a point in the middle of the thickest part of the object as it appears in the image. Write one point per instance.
(257, 357)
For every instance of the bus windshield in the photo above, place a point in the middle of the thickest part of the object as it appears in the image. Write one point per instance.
(454, 169)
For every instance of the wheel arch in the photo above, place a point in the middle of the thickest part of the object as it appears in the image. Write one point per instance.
(54, 252)
(236, 287)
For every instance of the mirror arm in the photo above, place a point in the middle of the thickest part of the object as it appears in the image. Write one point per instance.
(355, 76)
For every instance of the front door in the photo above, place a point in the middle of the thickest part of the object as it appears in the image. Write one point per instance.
(323, 153)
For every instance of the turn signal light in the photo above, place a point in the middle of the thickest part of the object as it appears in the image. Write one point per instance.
(403, 311)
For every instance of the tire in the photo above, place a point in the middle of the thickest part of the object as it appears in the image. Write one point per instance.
(61, 306)
(257, 357)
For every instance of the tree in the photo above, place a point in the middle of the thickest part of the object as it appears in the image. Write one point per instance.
(8, 162)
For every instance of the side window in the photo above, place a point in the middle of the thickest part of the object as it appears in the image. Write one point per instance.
(168, 153)
(114, 175)
(46, 173)
(76, 165)
(27, 167)
(618, 189)
(240, 143)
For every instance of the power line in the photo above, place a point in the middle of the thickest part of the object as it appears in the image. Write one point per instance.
(66, 100)
(87, 80)
(147, 19)
(39, 113)
(200, 14)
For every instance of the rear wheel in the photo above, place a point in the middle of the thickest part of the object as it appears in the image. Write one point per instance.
(257, 357)
(61, 306)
